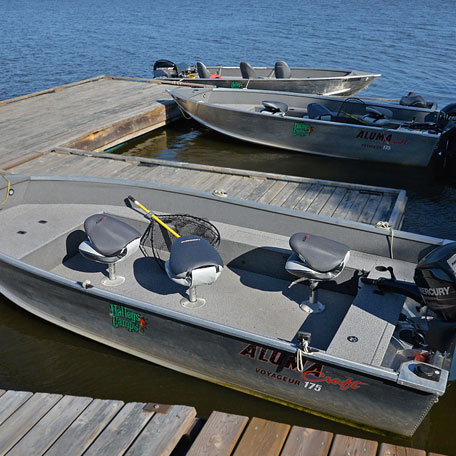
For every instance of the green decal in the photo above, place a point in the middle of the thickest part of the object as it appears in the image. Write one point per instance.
(301, 129)
(124, 318)
(236, 85)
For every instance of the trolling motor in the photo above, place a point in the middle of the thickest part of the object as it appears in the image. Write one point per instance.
(435, 287)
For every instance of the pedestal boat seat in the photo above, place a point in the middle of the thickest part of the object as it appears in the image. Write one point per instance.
(109, 241)
(193, 261)
(315, 259)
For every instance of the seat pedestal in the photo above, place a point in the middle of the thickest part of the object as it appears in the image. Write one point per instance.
(113, 280)
(193, 302)
(312, 305)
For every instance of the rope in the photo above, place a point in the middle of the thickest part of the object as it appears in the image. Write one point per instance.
(387, 226)
(186, 116)
(7, 189)
(299, 356)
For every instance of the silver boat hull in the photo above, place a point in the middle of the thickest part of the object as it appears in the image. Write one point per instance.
(237, 114)
(303, 80)
(244, 359)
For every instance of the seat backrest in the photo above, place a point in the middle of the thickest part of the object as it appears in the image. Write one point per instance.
(247, 71)
(319, 112)
(282, 70)
(203, 72)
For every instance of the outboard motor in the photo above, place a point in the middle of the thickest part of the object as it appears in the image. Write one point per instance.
(435, 276)
(166, 69)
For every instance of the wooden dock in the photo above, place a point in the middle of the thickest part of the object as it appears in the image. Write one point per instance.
(364, 204)
(98, 113)
(55, 425)
(60, 131)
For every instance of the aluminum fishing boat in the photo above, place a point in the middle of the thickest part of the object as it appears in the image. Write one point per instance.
(354, 128)
(360, 337)
(279, 77)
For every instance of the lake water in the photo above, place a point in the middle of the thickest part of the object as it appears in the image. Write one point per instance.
(46, 43)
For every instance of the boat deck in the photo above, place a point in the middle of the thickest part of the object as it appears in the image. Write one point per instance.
(257, 302)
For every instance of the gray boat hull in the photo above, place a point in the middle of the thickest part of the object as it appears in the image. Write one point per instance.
(237, 114)
(303, 80)
(218, 355)
(38, 274)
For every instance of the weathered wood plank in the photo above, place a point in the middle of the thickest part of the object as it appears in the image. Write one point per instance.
(219, 435)
(345, 204)
(259, 190)
(344, 445)
(383, 209)
(20, 422)
(121, 431)
(163, 432)
(305, 441)
(284, 194)
(296, 195)
(333, 202)
(51, 426)
(387, 449)
(86, 428)
(246, 187)
(262, 437)
(11, 401)
(273, 191)
(357, 207)
(310, 198)
(370, 208)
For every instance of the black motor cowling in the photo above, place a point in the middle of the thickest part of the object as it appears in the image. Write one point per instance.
(435, 276)
(167, 69)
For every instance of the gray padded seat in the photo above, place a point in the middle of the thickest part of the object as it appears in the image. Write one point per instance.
(192, 262)
(108, 235)
(192, 252)
(247, 71)
(315, 259)
(275, 107)
(203, 72)
(319, 253)
(319, 112)
(380, 117)
(282, 70)
(109, 241)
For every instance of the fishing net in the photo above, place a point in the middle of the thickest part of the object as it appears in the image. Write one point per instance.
(158, 240)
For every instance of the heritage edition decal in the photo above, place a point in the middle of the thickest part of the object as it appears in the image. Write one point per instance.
(125, 318)
(313, 377)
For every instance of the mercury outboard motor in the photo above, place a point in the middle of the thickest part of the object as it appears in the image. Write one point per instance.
(435, 276)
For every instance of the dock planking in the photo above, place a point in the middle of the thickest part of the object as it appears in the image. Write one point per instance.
(60, 131)
(95, 113)
(358, 203)
(52, 424)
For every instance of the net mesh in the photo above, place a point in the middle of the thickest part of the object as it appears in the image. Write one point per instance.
(157, 240)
